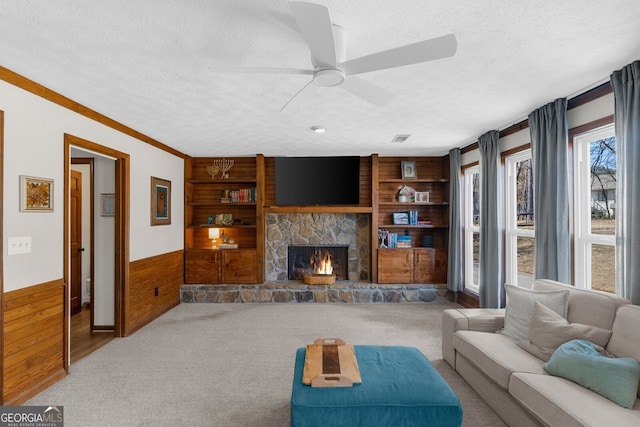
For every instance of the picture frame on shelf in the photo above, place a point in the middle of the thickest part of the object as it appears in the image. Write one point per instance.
(36, 194)
(401, 218)
(422, 197)
(160, 201)
(409, 170)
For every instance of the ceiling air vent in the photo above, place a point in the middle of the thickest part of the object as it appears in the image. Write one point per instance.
(399, 139)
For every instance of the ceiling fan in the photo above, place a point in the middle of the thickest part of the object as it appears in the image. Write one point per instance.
(327, 44)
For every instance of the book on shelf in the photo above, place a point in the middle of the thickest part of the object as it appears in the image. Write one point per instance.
(242, 195)
(403, 242)
(413, 217)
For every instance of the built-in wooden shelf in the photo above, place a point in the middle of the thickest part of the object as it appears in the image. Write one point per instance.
(411, 226)
(412, 180)
(318, 209)
(223, 226)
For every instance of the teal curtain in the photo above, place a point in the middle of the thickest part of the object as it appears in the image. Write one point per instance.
(491, 273)
(549, 152)
(455, 276)
(626, 91)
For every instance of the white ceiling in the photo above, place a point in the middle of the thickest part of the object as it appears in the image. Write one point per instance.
(149, 64)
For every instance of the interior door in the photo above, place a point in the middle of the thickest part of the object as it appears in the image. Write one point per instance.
(76, 242)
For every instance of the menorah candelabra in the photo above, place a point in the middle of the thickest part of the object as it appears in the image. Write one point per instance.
(222, 165)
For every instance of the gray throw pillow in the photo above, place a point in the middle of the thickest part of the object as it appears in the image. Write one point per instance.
(520, 304)
(548, 330)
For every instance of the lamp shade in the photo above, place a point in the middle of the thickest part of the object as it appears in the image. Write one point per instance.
(214, 233)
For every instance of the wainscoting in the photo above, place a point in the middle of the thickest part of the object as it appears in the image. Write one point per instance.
(164, 273)
(34, 343)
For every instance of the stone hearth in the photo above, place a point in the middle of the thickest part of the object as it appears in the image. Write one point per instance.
(297, 292)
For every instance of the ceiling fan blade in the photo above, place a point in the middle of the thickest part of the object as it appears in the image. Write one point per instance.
(367, 91)
(315, 24)
(303, 95)
(427, 50)
(261, 70)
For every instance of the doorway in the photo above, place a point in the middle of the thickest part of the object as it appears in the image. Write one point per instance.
(97, 284)
(85, 335)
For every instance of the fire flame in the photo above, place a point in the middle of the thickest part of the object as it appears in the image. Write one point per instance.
(322, 264)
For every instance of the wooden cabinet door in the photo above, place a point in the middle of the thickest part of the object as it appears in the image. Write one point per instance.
(239, 266)
(441, 265)
(202, 266)
(395, 265)
(424, 268)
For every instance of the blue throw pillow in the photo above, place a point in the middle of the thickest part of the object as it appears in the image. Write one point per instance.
(615, 378)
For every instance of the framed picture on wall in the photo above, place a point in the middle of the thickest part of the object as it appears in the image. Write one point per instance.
(107, 204)
(36, 194)
(160, 201)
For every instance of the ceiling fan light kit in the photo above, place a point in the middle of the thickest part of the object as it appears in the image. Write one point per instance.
(328, 48)
(328, 78)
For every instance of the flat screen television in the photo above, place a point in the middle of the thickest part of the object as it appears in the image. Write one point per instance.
(317, 181)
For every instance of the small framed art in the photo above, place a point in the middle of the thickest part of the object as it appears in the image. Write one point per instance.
(422, 196)
(160, 201)
(36, 194)
(409, 170)
(401, 218)
(107, 204)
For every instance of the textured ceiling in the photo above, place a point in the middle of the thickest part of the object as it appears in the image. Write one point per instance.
(150, 64)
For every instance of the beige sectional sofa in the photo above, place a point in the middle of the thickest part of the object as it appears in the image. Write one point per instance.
(514, 382)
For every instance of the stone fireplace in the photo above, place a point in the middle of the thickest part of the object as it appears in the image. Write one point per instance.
(348, 230)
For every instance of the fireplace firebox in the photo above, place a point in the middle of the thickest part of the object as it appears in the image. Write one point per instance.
(301, 260)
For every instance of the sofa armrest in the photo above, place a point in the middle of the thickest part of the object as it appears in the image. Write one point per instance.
(467, 319)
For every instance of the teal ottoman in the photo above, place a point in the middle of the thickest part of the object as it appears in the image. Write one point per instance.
(399, 388)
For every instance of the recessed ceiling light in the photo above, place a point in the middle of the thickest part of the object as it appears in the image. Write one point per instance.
(318, 129)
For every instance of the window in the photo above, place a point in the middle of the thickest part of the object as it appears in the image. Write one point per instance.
(595, 208)
(472, 227)
(520, 220)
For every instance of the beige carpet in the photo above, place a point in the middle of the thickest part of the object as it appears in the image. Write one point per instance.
(232, 364)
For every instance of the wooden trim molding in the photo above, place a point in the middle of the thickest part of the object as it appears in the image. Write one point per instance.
(1, 260)
(122, 220)
(61, 100)
(34, 340)
(468, 299)
(589, 126)
(576, 101)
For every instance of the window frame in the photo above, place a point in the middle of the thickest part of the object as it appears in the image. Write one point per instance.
(584, 239)
(512, 231)
(470, 228)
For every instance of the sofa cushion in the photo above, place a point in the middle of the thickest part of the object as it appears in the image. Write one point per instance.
(548, 330)
(589, 307)
(625, 340)
(584, 363)
(560, 402)
(520, 303)
(497, 355)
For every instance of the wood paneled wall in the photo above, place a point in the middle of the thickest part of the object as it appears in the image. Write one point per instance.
(34, 340)
(165, 272)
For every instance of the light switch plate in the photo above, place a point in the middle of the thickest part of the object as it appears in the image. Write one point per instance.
(19, 245)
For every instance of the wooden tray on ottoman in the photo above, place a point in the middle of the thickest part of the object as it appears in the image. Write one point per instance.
(330, 362)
